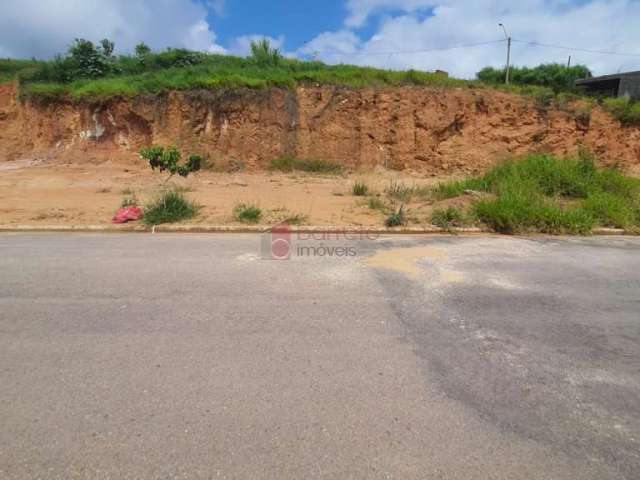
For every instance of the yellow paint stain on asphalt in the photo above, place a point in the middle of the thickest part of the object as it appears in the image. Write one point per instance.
(403, 259)
(449, 276)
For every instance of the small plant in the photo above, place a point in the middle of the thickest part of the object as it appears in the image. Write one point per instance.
(374, 203)
(247, 213)
(360, 189)
(448, 218)
(399, 191)
(289, 163)
(129, 201)
(168, 160)
(264, 55)
(626, 111)
(543, 98)
(169, 207)
(396, 219)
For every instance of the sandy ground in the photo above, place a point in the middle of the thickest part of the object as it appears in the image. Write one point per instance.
(89, 194)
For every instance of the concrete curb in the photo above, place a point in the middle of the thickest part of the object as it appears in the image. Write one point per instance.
(130, 228)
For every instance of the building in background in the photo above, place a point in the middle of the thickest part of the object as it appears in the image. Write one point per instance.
(618, 85)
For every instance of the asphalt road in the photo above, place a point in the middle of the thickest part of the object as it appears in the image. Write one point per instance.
(189, 356)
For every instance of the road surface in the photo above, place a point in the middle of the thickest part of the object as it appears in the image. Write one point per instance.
(190, 356)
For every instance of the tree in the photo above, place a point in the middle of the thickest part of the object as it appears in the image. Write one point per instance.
(552, 75)
(107, 47)
(264, 55)
(142, 49)
(86, 60)
(169, 160)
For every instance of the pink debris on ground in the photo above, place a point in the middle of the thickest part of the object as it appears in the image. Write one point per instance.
(127, 214)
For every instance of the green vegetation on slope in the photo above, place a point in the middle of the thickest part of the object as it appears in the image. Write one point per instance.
(555, 76)
(90, 71)
(10, 68)
(540, 193)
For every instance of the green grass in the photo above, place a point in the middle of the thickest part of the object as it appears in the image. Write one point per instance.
(541, 193)
(161, 72)
(247, 213)
(448, 218)
(9, 68)
(623, 109)
(360, 189)
(289, 163)
(397, 218)
(169, 207)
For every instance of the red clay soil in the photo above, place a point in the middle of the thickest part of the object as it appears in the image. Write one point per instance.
(432, 131)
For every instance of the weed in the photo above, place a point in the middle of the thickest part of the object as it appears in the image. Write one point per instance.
(283, 215)
(448, 218)
(247, 213)
(169, 207)
(360, 189)
(375, 203)
(546, 194)
(623, 109)
(396, 219)
(289, 163)
(399, 191)
(129, 201)
(127, 191)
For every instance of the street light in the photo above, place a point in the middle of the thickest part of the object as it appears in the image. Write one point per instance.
(508, 38)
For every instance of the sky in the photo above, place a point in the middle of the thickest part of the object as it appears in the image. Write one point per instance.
(398, 34)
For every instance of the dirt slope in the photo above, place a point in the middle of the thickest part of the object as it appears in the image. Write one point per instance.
(429, 130)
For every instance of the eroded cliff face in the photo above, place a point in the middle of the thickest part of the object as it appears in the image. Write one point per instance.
(429, 130)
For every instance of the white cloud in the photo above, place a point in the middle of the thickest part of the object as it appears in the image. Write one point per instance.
(42, 28)
(610, 25)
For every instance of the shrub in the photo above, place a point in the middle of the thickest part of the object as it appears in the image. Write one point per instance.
(289, 163)
(448, 218)
(247, 213)
(374, 203)
(360, 189)
(129, 201)
(264, 55)
(399, 191)
(168, 159)
(556, 76)
(396, 219)
(626, 111)
(547, 194)
(169, 207)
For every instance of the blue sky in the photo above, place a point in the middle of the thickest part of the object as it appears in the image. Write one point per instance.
(396, 34)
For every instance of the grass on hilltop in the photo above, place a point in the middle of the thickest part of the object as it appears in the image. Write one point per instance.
(183, 70)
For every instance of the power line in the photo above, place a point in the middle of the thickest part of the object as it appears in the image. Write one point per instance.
(437, 49)
(585, 50)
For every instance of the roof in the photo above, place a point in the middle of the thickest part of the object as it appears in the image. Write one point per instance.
(604, 78)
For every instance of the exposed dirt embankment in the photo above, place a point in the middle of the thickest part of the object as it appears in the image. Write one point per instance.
(430, 130)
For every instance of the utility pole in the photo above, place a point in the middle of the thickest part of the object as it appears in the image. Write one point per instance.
(508, 38)
(569, 62)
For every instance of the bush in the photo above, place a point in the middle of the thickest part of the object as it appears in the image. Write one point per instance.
(264, 55)
(168, 159)
(169, 207)
(448, 218)
(555, 76)
(542, 193)
(623, 109)
(289, 163)
(360, 189)
(247, 213)
(396, 219)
